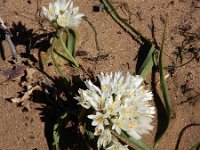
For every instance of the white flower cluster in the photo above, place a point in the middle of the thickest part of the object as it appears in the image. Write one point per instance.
(121, 104)
(63, 13)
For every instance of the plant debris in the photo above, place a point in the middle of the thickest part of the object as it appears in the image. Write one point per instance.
(29, 87)
(14, 73)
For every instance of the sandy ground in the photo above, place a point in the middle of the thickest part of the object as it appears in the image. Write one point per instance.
(31, 130)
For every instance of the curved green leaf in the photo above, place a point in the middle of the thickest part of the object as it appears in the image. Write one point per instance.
(69, 54)
(164, 91)
(148, 63)
(71, 41)
(55, 39)
(131, 141)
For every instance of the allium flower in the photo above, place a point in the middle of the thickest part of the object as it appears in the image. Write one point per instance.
(121, 104)
(116, 145)
(63, 14)
(99, 120)
(104, 139)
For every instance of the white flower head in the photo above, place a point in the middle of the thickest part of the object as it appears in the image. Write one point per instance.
(104, 139)
(63, 13)
(121, 104)
(99, 120)
(63, 6)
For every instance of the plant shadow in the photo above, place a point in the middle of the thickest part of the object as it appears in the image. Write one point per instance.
(2, 38)
(57, 99)
(161, 111)
(30, 39)
(57, 94)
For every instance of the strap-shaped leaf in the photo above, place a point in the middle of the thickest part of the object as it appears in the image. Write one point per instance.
(69, 55)
(148, 63)
(71, 41)
(131, 141)
(164, 90)
(55, 40)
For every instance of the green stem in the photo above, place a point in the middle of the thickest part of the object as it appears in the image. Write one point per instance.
(95, 32)
(70, 57)
(181, 65)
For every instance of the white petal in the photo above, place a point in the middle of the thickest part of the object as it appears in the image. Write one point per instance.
(79, 16)
(104, 139)
(134, 134)
(92, 87)
(44, 11)
(62, 20)
(71, 5)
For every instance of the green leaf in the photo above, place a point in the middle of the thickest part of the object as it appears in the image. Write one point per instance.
(129, 140)
(53, 55)
(148, 62)
(162, 78)
(139, 143)
(164, 91)
(71, 41)
(57, 129)
(69, 55)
